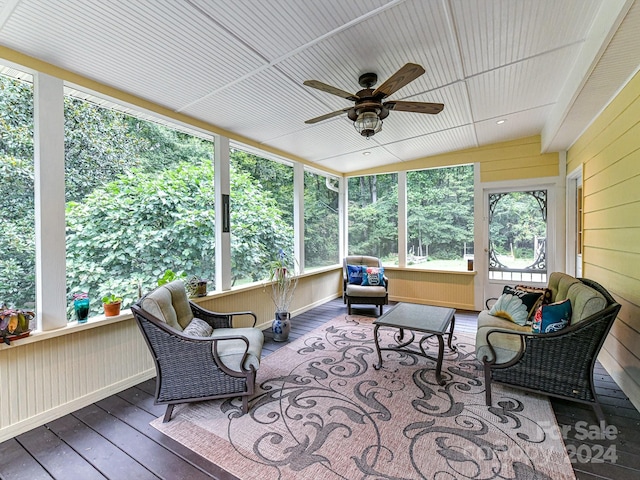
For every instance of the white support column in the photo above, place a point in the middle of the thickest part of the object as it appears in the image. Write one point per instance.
(298, 214)
(48, 142)
(222, 181)
(480, 240)
(402, 219)
(342, 221)
(344, 197)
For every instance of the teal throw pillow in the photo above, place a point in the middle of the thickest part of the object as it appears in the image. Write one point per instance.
(551, 318)
(373, 276)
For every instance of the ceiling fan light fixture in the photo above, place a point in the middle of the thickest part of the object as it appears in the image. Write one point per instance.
(368, 124)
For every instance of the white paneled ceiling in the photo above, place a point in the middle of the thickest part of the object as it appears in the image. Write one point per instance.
(546, 67)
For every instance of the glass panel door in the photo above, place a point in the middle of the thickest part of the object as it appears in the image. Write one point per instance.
(518, 236)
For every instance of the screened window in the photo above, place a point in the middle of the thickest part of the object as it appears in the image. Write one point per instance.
(17, 208)
(321, 221)
(373, 217)
(440, 218)
(139, 201)
(518, 236)
(261, 215)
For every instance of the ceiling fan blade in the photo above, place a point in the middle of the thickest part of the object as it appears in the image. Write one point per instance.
(402, 77)
(328, 115)
(416, 107)
(329, 89)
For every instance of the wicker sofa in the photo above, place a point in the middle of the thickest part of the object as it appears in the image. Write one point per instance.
(558, 364)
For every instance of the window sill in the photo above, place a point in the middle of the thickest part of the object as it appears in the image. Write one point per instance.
(71, 327)
(431, 270)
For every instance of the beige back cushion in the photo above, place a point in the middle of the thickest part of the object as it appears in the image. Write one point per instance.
(559, 283)
(170, 304)
(585, 301)
(361, 260)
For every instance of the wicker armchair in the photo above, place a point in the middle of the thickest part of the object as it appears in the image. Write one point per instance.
(558, 364)
(359, 294)
(194, 363)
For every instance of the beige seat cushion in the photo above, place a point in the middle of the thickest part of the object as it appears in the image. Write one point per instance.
(365, 291)
(509, 345)
(231, 351)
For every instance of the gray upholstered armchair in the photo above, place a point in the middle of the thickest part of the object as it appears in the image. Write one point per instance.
(354, 293)
(198, 354)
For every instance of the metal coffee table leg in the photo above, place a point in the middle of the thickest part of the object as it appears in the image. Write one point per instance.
(375, 337)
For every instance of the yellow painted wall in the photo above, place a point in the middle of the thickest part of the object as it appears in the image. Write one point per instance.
(445, 289)
(512, 160)
(609, 151)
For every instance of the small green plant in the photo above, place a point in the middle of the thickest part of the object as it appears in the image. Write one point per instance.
(111, 298)
(169, 276)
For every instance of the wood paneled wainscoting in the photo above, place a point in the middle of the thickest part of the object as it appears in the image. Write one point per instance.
(432, 287)
(53, 373)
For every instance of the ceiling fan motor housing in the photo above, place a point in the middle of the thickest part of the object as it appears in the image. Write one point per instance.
(368, 80)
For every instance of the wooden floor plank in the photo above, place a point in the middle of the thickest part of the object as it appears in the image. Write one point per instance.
(122, 406)
(56, 457)
(99, 452)
(155, 457)
(17, 463)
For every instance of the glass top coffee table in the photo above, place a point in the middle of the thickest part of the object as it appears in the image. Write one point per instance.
(426, 319)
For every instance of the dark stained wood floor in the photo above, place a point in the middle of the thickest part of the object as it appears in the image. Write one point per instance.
(112, 438)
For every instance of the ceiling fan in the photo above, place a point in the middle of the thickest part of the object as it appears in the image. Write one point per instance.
(369, 110)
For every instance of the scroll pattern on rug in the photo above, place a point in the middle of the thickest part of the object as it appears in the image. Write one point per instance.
(323, 412)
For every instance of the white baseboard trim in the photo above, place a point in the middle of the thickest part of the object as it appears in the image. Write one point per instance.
(76, 404)
(299, 311)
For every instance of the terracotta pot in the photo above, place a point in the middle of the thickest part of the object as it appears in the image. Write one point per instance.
(111, 309)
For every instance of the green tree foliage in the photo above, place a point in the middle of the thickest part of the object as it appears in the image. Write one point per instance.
(17, 242)
(137, 226)
(321, 222)
(272, 176)
(440, 211)
(140, 200)
(98, 147)
(517, 219)
(373, 216)
(258, 228)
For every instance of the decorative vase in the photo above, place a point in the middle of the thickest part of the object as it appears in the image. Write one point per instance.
(81, 307)
(281, 327)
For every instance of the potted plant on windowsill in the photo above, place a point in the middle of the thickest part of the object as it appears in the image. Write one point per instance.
(111, 304)
(14, 323)
(196, 286)
(282, 275)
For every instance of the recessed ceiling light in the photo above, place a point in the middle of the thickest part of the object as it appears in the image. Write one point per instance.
(366, 153)
(500, 122)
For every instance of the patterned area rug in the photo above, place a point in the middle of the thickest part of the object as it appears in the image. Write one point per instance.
(323, 412)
